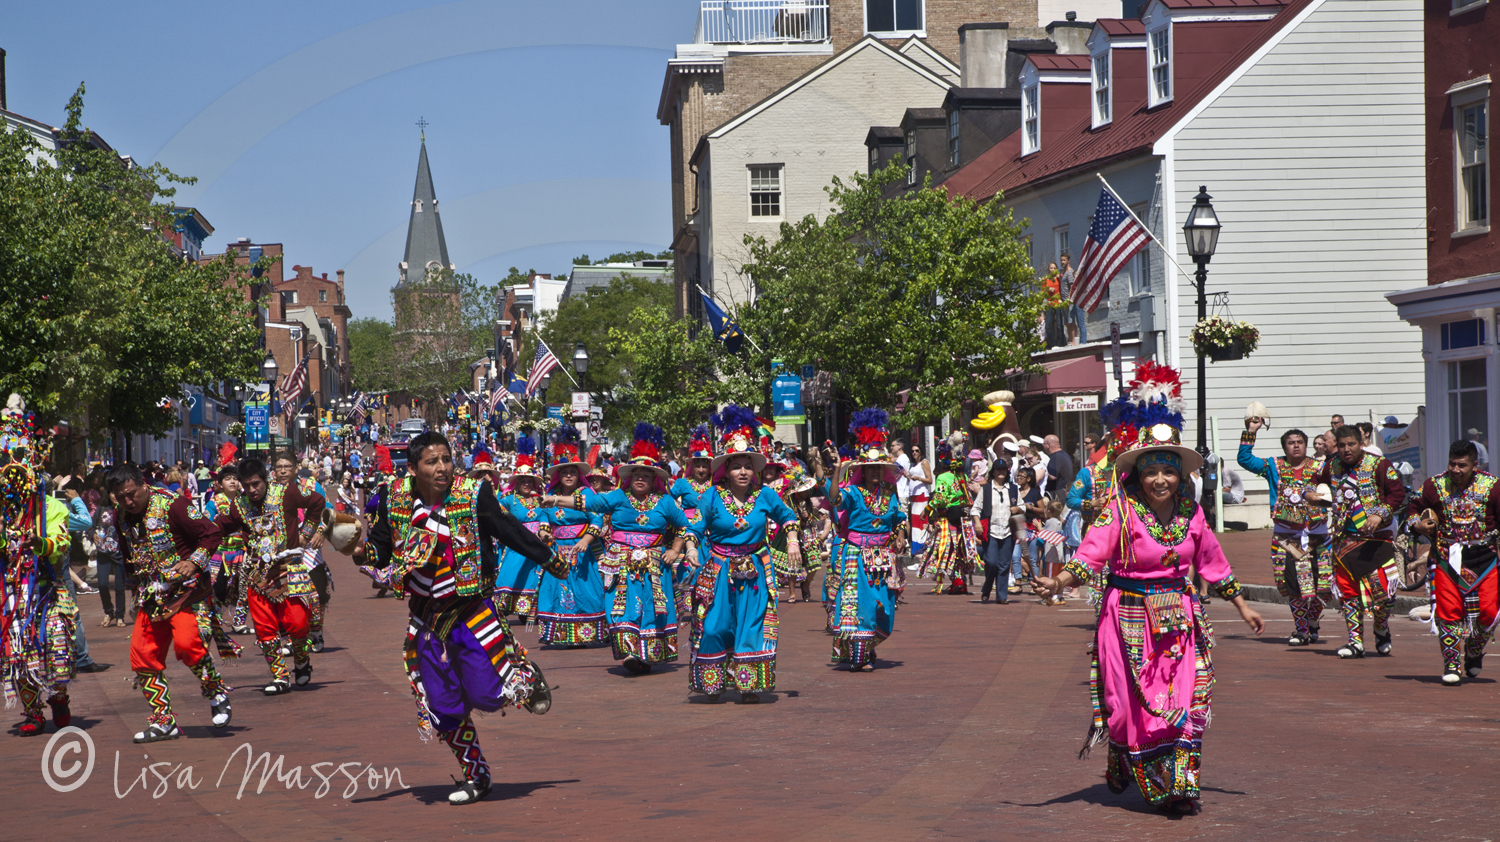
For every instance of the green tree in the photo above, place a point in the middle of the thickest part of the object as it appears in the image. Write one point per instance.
(372, 355)
(675, 381)
(99, 319)
(623, 257)
(443, 324)
(923, 291)
(587, 318)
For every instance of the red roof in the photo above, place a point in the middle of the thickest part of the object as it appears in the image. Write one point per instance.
(1133, 131)
(1048, 61)
(1115, 27)
(1219, 4)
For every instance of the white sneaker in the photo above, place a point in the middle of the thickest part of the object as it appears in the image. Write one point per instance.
(913, 567)
(1451, 678)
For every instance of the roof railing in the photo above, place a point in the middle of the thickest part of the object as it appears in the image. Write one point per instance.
(762, 22)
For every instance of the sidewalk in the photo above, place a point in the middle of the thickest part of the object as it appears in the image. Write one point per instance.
(1250, 556)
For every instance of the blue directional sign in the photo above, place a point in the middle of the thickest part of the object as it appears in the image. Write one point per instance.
(257, 425)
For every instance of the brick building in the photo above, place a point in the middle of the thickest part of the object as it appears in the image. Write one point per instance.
(744, 53)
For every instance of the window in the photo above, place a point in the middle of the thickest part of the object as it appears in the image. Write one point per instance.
(893, 16)
(289, 297)
(1031, 118)
(1161, 65)
(1060, 243)
(910, 155)
(1468, 417)
(1468, 333)
(1140, 279)
(1460, 6)
(1101, 89)
(765, 191)
(874, 159)
(1471, 136)
(953, 138)
(322, 296)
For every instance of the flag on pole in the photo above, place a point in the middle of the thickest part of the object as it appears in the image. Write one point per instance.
(514, 384)
(292, 387)
(725, 329)
(541, 366)
(357, 409)
(496, 397)
(1113, 239)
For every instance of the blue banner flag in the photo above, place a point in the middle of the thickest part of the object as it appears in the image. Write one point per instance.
(725, 330)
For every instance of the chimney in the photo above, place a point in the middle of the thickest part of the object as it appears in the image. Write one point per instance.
(341, 278)
(981, 54)
(1071, 36)
(3, 106)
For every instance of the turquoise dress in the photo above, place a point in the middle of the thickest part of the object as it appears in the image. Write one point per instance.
(518, 578)
(641, 613)
(734, 616)
(687, 497)
(864, 610)
(571, 610)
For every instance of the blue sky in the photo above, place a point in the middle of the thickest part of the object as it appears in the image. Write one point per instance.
(299, 117)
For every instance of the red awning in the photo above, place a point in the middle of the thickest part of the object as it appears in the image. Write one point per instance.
(1080, 375)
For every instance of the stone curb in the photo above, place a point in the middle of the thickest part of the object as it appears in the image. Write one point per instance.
(1268, 593)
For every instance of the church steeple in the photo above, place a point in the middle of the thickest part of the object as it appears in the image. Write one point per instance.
(425, 246)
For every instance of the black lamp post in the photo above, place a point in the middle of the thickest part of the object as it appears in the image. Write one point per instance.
(580, 359)
(268, 372)
(1202, 231)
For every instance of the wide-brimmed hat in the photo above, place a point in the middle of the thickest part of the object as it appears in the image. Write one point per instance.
(645, 453)
(565, 442)
(599, 473)
(738, 436)
(1146, 422)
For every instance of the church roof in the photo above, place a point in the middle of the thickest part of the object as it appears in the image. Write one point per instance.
(425, 244)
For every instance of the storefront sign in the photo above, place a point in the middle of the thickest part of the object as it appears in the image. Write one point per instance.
(786, 396)
(1077, 403)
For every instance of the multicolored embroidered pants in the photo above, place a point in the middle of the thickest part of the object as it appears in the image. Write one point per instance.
(154, 686)
(464, 741)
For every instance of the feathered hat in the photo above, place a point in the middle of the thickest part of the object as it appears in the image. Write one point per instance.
(599, 473)
(645, 453)
(565, 443)
(701, 445)
(483, 462)
(1146, 423)
(525, 459)
(799, 480)
(739, 435)
(23, 452)
(868, 428)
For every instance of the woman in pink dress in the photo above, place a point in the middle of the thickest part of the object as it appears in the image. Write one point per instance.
(1152, 675)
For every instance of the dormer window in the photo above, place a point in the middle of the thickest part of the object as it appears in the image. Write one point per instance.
(1100, 76)
(910, 153)
(419, 206)
(953, 131)
(1031, 119)
(1161, 65)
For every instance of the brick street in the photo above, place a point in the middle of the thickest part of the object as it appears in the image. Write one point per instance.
(968, 729)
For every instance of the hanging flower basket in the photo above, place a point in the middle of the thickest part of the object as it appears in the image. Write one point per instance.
(1220, 338)
(235, 429)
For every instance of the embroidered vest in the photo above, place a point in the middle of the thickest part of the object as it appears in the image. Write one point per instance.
(1290, 508)
(1367, 492)
(1463, 517)
(154, 554)
(412, 550)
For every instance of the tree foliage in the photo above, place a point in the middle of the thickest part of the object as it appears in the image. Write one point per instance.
(675, 381)
(587, 318)
(99, 319)
(372, 355)
(923, 291)
(443, 324)
(622, 257)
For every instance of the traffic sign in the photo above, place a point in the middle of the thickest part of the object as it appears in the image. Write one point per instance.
(595, 428)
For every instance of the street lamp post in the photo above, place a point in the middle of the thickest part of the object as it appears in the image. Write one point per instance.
(268, 372)
(580, 359)
(1202, 232)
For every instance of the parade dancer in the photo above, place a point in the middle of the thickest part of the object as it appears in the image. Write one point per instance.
(1301, 556)
(869, 520)
(734, 615)
(951, 552)
(637, 570)
(571, 610)
(686, 491)
(1367, 494)
(519, 576)
(231, 552)
(277, 520)
(795, 488)
(37, 613)
(167, 546)
(317, 569)
(433, 541)
(1152, 672)
(1460, 512)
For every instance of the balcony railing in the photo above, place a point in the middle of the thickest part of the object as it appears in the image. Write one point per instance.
(762, 21)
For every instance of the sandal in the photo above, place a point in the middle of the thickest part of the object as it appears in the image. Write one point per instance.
(106, 622)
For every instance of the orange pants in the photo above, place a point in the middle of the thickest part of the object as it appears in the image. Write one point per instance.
(150, 638)
(288, 617)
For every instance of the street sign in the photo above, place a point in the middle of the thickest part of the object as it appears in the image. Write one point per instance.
(1077, 403)
(257, 424)
(581, 404)
(595, 429)
(555, 410)
(1114, 353)
(808, 372)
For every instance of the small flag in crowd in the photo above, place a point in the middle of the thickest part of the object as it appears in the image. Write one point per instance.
(1113, 239)
(1048, 535)
(541, 366)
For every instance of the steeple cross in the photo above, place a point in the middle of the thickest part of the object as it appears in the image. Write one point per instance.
(423, 124)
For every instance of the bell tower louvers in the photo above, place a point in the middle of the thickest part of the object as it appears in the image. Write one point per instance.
(425, 246)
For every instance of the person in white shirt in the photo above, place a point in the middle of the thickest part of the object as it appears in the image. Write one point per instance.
(997, 501)
(920, 476)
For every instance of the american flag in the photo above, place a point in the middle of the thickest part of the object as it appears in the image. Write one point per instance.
(292, 387)
(357, 410)
(496, 397)
(541, 366)
(1114, 238)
